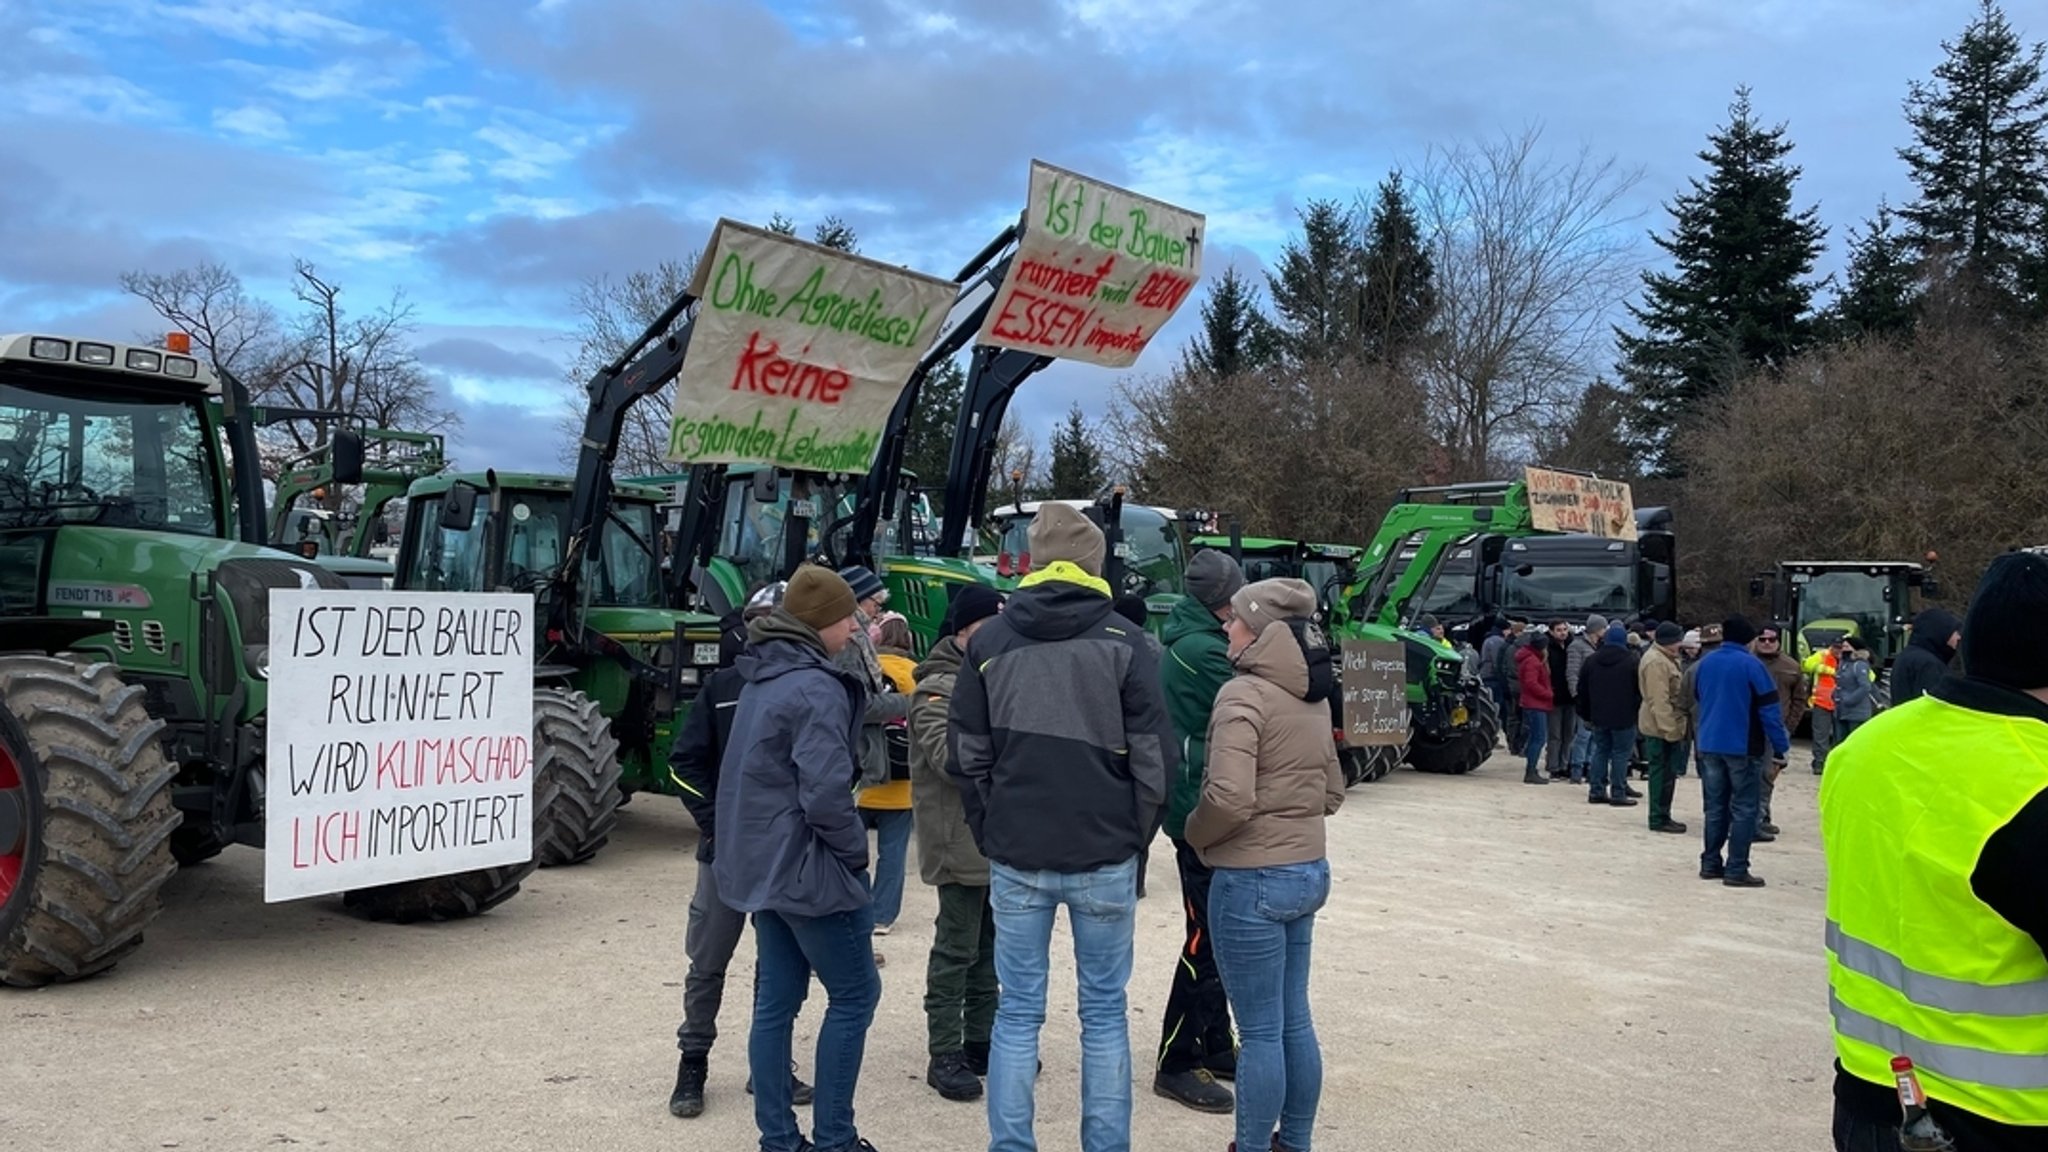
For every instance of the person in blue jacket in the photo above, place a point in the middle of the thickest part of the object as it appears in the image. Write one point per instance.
(1738, 720)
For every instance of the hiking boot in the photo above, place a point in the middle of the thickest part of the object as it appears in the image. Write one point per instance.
(1743, 881)
(974, 1057)
(799, 1092)
(948, 1075)
(687, 1100)
(1197, 1089)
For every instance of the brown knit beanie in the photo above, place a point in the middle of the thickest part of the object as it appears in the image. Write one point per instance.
(818, 596)
(1063, 532)
(1270, 601)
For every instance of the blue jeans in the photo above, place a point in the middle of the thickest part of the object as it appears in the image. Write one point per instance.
(892, 848)
(1535, 732)
(1580, 755)
(837, 949)
(1102, 909)
(1729, 786)
(1263, 921)
(1607, 769)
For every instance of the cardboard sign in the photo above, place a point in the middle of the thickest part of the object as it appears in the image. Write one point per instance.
(1568, 502)
(1098, 272)
(1375, 677)
(400, 742)
(798, 352)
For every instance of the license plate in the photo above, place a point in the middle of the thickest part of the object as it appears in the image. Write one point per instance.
(704, 654)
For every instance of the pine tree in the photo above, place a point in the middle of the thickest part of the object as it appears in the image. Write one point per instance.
(1318, 286)
(1878, 299)
(1740, 296)
(928, 441)
(1235, 335)
(1398, 292)
(1980, 157)
(1076, 472)
(832, 232)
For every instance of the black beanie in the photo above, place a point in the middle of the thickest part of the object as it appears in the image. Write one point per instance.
(2005, 632)
(1737, 630)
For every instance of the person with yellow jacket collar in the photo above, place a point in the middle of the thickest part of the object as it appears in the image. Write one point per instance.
(1934, 820)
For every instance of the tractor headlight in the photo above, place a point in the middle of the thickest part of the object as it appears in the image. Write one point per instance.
(101, 354)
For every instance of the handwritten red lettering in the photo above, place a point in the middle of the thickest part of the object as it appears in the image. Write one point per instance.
(763, 368)
(1043, 323)
(1164, 290)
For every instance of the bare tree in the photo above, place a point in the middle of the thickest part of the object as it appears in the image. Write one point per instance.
(1017, 462)
(1532, 254)
(610, 315)
(234, 331)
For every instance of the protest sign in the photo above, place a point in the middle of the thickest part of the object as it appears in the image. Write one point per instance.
(1569, 502)
(400, 742)
(1098, 272)
(1375, 679)
(798, 352)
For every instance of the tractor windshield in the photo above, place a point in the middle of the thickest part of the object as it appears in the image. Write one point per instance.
(621, 572)
(109, 460)
(750, 530)
(1856, 596)
(1569, 590)
(1153, 562)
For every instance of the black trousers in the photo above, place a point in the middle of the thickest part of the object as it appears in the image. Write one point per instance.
(1197, 1023)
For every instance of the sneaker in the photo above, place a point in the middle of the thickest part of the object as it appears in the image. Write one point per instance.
(948, 1076)
(687, 1100)
(1668, 826)
(1197, 1090)
(799, 1092)
(1746, 880)
(883, 929)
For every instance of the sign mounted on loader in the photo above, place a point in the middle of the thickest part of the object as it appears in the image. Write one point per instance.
(799, 352)
(1576, 503)
(1098, 272)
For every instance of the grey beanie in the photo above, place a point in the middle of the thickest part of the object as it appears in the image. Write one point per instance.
(1596, 626)
(1213, 578)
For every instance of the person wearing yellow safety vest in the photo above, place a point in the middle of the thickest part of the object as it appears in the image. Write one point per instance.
(1935, 825)
(1820, 668)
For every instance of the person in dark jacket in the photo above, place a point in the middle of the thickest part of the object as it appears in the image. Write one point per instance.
(1936, 632)
(713, 931)
(1196, 1045)
(1532, 668)
(1563, 720)
(1609, 699)
(1060, 739)
(1739, 720)
(960, 977)
(794, 854)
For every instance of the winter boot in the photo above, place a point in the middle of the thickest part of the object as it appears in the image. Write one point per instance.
(688, 1098)
(948, 1075)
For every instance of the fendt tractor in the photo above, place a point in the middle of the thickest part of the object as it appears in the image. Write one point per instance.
(1820, 601)
(617, 665)
(134, 625)
(1320, 566)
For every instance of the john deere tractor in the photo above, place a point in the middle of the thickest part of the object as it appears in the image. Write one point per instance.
(134, 623)
(351, 539)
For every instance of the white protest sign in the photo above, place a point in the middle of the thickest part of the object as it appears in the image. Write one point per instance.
(400, 741)
(798, 352)
(1098, 272)
(1569, 502)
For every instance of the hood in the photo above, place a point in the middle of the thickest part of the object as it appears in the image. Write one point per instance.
(1286, 656)
(1189, 618)
(942, 660)
(1049, 606)
(778, 644)
(1931, 630)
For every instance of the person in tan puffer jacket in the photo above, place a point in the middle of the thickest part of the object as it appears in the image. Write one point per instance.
(1271, 780)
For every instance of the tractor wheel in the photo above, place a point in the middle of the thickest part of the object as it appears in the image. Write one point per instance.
(1385, 759)
(458, 896)
(1463, 752)
(1353, 763)
(85, 819)
(1489, 719)
(573, 742)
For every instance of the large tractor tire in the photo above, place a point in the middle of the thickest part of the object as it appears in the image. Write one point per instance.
(1463, 752)
(457, 896)
(573, 742)
(1366, 765)
(85, 819)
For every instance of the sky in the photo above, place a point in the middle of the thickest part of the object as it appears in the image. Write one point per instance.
(488, 156)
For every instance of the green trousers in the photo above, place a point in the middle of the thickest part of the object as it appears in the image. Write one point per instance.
(960, 977)
(1666, 757)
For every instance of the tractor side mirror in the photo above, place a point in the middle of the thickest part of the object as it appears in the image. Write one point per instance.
(458, 509)
(381, 533)
(1930, 588)
(1756, 589)
(345, 453)
(766, 486)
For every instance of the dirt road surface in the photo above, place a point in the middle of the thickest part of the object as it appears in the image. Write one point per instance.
(1499, 966)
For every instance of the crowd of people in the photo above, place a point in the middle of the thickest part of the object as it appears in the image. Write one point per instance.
(1596, 703)
(1034, 754)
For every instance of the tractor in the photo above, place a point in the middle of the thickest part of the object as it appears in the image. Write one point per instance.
(1818, 602)
(354, 542)
(134, 626)
(1146, 547)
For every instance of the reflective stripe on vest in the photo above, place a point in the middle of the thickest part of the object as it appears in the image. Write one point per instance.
(1918, 965)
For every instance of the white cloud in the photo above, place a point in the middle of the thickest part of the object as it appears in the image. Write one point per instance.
(84, 97)
(264, 23)
(254, 121)
(528, 156)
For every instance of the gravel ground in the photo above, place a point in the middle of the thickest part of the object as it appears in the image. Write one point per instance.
(1498, 966)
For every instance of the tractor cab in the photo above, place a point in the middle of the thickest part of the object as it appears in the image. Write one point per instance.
(1822, 601)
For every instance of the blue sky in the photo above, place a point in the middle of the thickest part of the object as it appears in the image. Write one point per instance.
(488, 155)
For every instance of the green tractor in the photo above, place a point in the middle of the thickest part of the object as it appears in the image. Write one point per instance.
(1322, 566)
(1818, 602)
(134, 624)
(1147, 548)
(354, 544)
